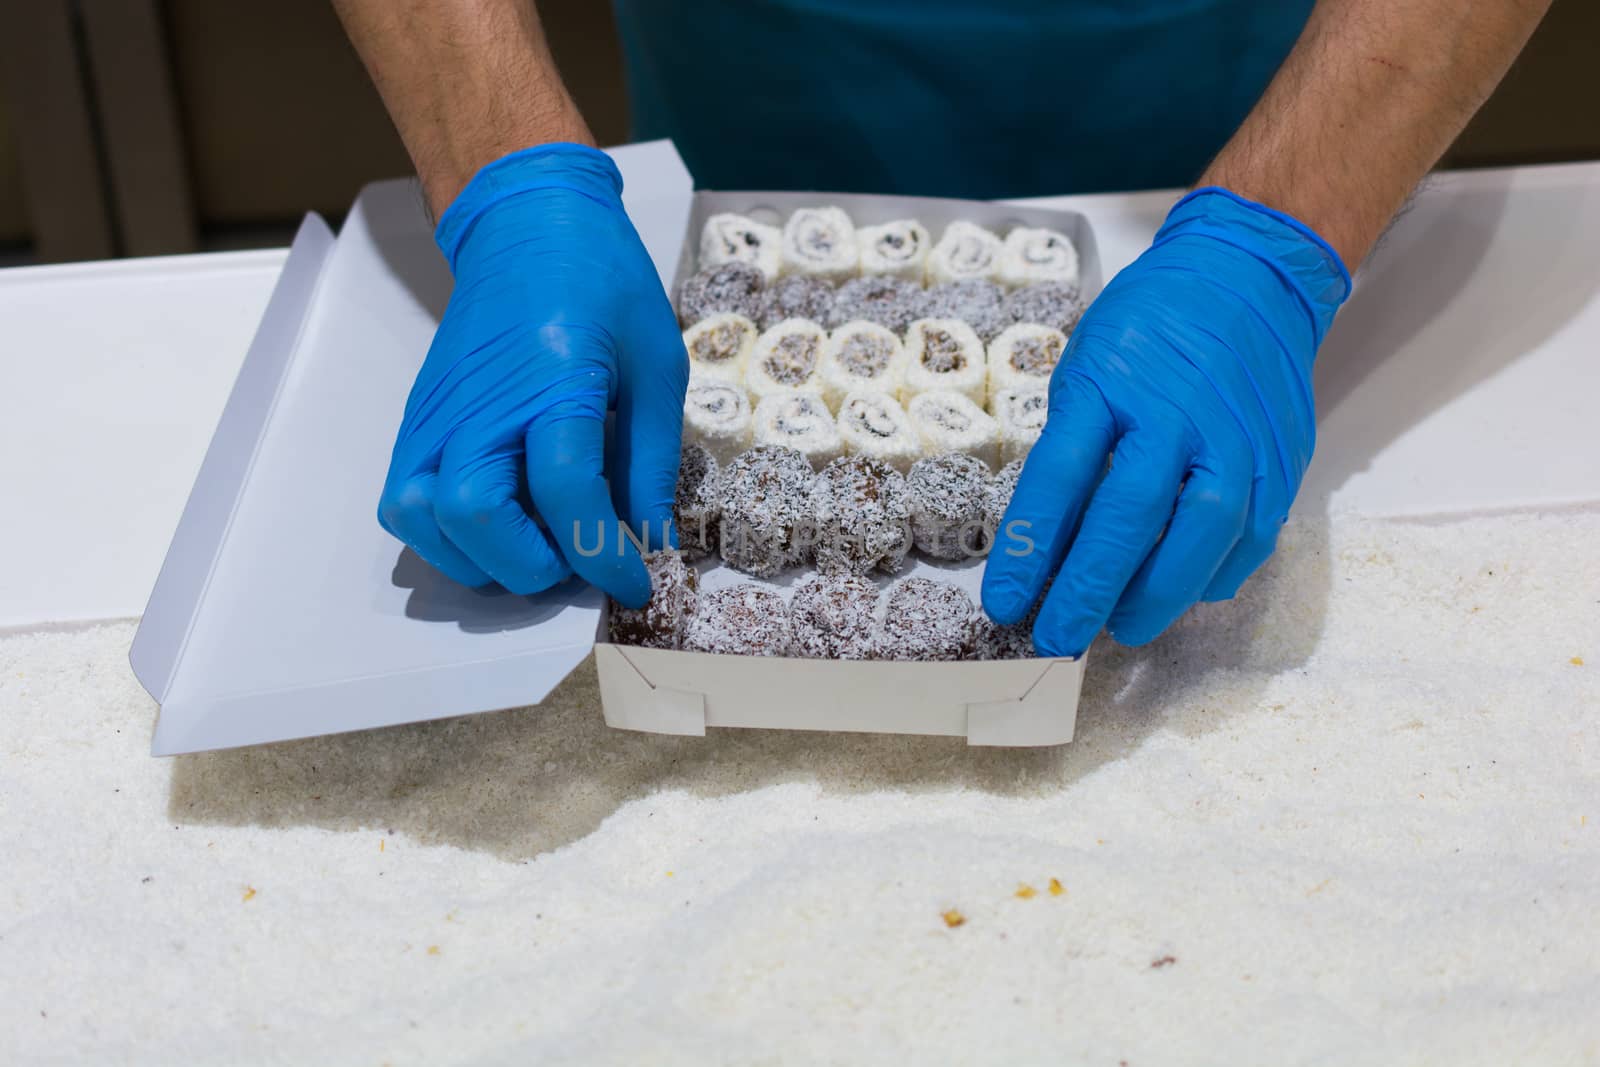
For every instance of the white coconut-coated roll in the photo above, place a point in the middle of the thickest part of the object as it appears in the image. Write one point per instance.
(786, 359)
(820, 242)
(1024, 356)
(862, 355)
(951, 422)
(945, 354)
(899, 248)
(720, 346)
(965, 251)
(1021, 413)
(730, 238)
(716, 414)
(1035, 256)
(875, 425)
(800, 421)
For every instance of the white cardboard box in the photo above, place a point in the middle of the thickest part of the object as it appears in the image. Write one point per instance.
(284, 611)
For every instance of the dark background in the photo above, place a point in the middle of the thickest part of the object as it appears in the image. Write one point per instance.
(147, 126)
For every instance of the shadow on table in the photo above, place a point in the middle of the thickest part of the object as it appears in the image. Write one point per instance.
(519, 783)
(1434, 276)
(434, 598)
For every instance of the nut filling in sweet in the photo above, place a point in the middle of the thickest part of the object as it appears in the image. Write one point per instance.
(1035, 355)
(941, 352)
(865, 355)
(793, 359)
(719, 343)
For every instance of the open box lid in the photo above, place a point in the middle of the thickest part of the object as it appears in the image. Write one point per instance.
(279, 582)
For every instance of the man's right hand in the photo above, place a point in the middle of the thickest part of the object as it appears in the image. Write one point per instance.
(557, 316)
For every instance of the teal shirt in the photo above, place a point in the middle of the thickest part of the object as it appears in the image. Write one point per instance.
(968, 98)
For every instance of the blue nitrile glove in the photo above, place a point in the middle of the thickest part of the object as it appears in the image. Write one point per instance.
(557, 316)
(1192, 372)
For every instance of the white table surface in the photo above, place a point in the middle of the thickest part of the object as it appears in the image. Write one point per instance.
(1463, 376)
(112, 376)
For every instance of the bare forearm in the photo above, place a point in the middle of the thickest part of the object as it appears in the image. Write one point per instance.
(1370, 98)
(466, 82)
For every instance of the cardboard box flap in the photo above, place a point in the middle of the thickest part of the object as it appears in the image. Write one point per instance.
(198, 538)
(632, 702)
(1046, 714)
(996, 702)
(285, 610)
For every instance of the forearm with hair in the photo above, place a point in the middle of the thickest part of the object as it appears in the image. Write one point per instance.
(465, 81)
(1371, 96)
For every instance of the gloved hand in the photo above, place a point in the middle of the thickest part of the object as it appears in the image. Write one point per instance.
(557, 316)
(1192, 371)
